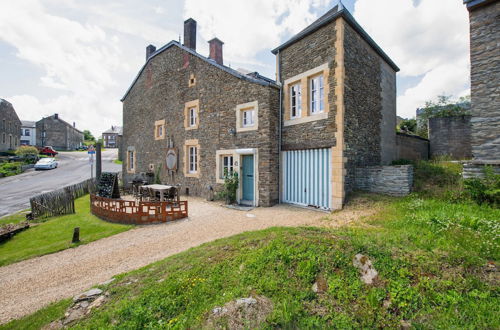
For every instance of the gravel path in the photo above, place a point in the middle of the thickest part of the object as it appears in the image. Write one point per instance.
(32, 284)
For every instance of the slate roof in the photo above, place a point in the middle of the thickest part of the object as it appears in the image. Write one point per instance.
(261, 80)
(330, 16)
(28, 123)
(473, 4)
(62, 121)
(114, 129)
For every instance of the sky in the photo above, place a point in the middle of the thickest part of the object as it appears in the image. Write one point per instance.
(78, 57)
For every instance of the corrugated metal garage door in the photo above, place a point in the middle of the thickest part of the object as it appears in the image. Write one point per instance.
(307, 177)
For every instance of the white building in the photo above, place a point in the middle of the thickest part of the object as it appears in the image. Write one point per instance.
(28, 132)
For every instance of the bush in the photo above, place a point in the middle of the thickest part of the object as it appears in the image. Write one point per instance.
(484, 190)
(231, 183)
(28, 153)
(402, 161)
(8, 169)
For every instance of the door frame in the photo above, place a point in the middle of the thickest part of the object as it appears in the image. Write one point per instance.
(248, 152)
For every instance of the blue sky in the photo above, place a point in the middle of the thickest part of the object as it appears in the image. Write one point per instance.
(78, 57)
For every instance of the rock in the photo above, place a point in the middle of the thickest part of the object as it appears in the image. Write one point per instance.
(243, 313)
(219, 310)
(84, 304)
(405, 324)
(96, 303)
(74, 314)
(368, 273)
(53, 325)
(88, 295)
(320, 286)
(108, 281)
(246, 301)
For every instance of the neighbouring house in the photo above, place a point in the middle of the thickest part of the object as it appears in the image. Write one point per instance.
(110, 137)
(298, 140)
(55, 132)
(28, 132)
(10, 127)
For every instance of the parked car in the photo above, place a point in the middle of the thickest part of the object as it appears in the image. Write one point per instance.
(49, 151)
(46, 164)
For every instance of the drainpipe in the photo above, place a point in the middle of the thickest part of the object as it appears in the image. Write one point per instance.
(279, 131)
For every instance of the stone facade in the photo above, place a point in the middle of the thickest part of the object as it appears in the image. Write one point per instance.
(162, 91)
(411, 147)
(450, 136)
(10, 127)
(476, 170)
(110, 137)
(485, 79)
(389, 180)
(55, 132)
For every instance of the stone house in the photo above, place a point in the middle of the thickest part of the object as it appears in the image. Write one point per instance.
(110, 137)
(28, 132)
(484, 18)
(10, 127)
(296, 140)
(55, 132)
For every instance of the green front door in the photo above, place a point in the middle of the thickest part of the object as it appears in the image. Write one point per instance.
(247, 178)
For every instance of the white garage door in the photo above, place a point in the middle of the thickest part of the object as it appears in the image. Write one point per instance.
(306, 177)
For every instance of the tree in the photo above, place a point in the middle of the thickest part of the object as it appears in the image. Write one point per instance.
(87, 136)
(408, 126)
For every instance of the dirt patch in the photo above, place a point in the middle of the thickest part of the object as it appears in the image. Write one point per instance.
(243, 313)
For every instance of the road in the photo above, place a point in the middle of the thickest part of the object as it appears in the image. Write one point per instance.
(74, 167)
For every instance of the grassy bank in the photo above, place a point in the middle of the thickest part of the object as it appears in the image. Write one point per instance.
(55, 234)
(432, 258)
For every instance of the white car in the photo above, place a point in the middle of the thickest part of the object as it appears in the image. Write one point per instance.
(46, 164)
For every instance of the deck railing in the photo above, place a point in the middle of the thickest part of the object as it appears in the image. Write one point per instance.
(138, 213)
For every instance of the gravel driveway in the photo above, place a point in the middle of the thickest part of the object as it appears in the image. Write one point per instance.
(32, 284)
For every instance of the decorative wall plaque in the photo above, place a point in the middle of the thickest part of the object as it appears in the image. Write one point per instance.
(171, 159)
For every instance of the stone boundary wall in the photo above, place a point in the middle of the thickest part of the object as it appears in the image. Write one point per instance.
(388, 180)
(450, 136)
(476, 170)
(411, 147)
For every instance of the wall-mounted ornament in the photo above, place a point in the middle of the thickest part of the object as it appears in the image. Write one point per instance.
(171, 159)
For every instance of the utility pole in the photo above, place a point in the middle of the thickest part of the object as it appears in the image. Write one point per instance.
(98, 165)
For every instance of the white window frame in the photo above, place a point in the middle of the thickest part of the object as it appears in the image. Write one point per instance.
(192, 117)
(131, 160)
(316, 92)
(229, 165)
(241, 124)
(296, 88)
(193, 159)
(244, 118)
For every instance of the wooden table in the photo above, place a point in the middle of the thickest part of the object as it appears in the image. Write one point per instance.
(161, 188)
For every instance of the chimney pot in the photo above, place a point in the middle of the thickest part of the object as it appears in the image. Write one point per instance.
(56, 116)
(190, 33)
(74, 124)
(150, 51)
(216, 51)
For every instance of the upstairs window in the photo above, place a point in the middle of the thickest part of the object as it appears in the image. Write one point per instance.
(247, 119)
(295, 101)
(159, 130)
(192, 117)
(131, 160)
(193, 160)
(27, 132)
(317, 94)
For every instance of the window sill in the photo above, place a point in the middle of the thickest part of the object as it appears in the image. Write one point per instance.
(192, 175)
(308, 119)
(246, 129)
(188, 128)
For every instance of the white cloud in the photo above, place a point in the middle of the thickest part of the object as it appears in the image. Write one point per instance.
(427, 38)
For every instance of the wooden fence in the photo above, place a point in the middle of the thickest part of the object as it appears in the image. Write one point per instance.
(138, 213)
(61, 201)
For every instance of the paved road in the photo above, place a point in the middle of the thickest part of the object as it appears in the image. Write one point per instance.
(74, 167)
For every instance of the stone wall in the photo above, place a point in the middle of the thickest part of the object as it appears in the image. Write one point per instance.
(389, 180)
(58, 134)
(476, 170)
(485, 79)
(411, 147)
(388, 133)
(161, 92)
(10, 127)
(450, 136)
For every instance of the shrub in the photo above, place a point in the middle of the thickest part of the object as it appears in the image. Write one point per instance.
(484, 190)
(402, 161)
(28, 153)
(8, 169)
(231, 183)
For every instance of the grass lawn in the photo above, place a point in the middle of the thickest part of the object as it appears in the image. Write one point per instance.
(55, 234)
(14, 218)
(116, 161)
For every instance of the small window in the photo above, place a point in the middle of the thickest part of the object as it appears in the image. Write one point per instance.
(131, 160)
(159, 130)
(295, 101)
(27, 132)
(227, 165)
(248, 117)
(317, 94)
(192, 117)
(193, 159)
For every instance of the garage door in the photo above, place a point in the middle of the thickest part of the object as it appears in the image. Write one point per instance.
(306, 177)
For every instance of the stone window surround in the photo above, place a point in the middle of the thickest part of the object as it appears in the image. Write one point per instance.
(304, 80)
(187, 144)
(160, 123)
(189, 105)
(134, 165)
(192, 80)
(239, 120)
(237, 157)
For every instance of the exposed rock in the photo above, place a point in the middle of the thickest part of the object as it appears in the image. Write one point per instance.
(96, 303)
(242, 313)
(111, 280)
(320, 286)
(368, 273)
(405, 324)
(89, 295)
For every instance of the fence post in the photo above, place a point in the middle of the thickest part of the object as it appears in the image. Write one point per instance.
(76, 235)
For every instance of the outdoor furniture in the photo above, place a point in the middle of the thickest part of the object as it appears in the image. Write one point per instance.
(164, 191)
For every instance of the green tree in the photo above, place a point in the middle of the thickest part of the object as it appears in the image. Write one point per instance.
(87, 136)
(408, 125)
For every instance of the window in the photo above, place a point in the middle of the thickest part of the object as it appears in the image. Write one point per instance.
(27, 132)
(317, 94)
(248, 117)
(192, 114)
(227, 165)
(193, 160)
(159, 130)
(3, 138)
(192, 80)
(192, 117)
(131, 161)
(295, 101)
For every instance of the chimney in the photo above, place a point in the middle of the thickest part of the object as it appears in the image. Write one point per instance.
(190, 33)
(149, 51)
(216, 51)
(74, 124)
(56, 116)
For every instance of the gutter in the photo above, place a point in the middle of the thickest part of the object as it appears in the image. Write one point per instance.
(280, 128)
